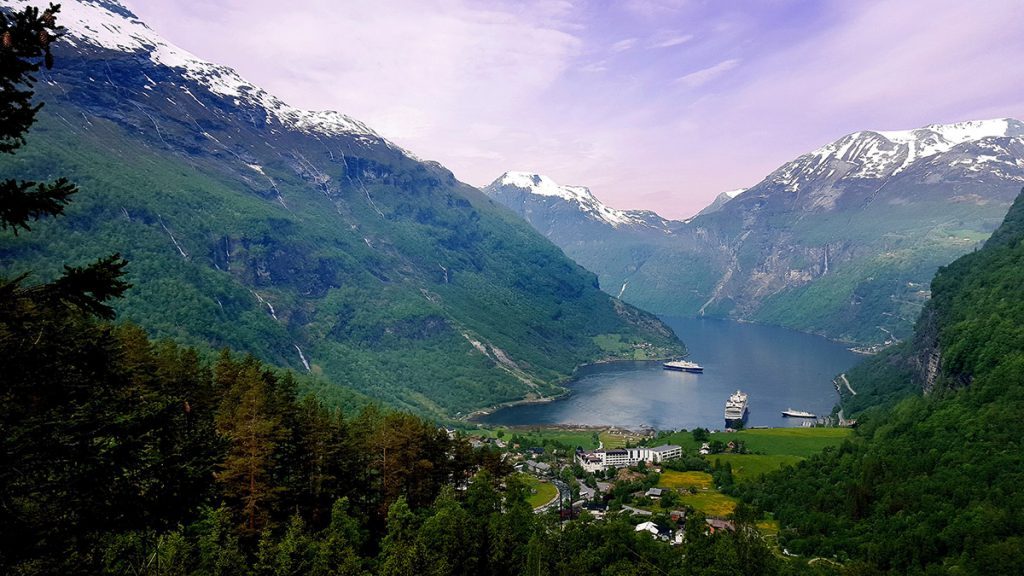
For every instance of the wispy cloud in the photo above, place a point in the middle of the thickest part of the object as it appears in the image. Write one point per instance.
(654, 8)
(705, 75)
(623, 45)
(593, 67)
(670, 41)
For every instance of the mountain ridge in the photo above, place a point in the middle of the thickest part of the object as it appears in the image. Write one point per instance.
(819, 241)
(304, 238)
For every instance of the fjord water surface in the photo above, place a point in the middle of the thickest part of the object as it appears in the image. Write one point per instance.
(778, 368)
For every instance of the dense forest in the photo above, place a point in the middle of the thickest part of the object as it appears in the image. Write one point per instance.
(932, 484)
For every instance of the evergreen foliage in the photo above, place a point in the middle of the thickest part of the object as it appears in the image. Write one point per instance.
(931, 485)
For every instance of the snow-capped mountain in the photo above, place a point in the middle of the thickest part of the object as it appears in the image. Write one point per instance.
(107, 24)
(527, 192)
(842, 240)
(304, 238)
(983, 146)
(721, 200)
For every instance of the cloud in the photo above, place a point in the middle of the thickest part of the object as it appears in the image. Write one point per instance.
(670, 41)
(705, 75)
(623, 45)
(594, 67)
(654, 8)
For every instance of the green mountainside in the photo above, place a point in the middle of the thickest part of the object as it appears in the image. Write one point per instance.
(303, 238)
(931, 484)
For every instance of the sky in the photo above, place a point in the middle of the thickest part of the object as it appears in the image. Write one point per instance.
(657, 105)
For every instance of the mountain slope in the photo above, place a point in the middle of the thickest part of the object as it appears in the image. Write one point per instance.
(933, 485)
(841, 241)
(302, 237)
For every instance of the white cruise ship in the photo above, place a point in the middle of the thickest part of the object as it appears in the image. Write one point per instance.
(736, 409)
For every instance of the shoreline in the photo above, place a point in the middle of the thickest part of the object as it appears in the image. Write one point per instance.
(474, 416)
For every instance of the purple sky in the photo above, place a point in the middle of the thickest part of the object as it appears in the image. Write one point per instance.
(658, 105)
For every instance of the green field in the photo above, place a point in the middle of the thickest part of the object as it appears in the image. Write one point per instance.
(789, 441)
(711, 503)
(752, 466)
(541, 436)
(540, 492)
(612, 440)
(685, 480)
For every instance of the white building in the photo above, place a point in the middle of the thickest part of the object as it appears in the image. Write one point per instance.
(622, 457)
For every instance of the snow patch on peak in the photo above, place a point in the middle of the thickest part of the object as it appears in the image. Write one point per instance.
(109, 25)
(735, 193)
(543, 186)
(956, 133)
(878, 154)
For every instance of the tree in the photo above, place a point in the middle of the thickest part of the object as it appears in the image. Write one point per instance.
(25, 39)
(253, 430)
(399, 555)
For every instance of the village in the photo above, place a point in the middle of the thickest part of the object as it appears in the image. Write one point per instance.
(657, 479)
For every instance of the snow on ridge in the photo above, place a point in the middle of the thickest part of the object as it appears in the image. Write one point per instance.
(543, 186)
(109, 25)
(735, 193)
(956, 133)
(876, 154)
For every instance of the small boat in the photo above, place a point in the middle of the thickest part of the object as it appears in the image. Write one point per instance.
(797, 414)
(684, 366)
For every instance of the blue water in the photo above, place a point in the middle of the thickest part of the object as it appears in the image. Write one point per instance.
(777, 368)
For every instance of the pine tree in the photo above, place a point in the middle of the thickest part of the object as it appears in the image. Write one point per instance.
(253, 431)
(25, 40)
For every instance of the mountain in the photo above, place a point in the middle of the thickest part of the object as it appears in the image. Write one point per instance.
(841, 241)
(720, 201)
(304, 238)
(932, 484)
(636, 254)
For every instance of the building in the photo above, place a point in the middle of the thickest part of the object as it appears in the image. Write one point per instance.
(542, 468)
(653, 493)
(622, 457)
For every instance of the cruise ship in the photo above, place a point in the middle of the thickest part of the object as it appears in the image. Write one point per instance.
(790, 413)
(684, 366)
(736, 409)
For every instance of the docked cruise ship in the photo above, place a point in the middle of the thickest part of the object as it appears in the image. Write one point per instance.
(736, 409)
(684, 366)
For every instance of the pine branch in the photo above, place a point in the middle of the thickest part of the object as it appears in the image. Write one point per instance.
(19, 204)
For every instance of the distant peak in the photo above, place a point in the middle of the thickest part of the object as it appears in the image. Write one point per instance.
(541, 185)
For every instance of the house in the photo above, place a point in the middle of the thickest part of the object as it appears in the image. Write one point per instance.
(705, 449)
(718, 524)
(654, 493)
(653, 529)
(647, 527)
(542, 468)
(596, 509)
